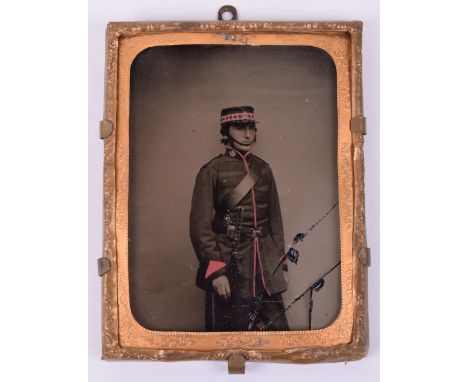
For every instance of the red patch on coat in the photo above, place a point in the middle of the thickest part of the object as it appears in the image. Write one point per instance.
(214, 266)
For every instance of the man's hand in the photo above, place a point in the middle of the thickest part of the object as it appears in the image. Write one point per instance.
(221, 286)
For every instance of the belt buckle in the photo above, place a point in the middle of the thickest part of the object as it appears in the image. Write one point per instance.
(258, 231)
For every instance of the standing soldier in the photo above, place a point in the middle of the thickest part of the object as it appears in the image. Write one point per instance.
(237, 231)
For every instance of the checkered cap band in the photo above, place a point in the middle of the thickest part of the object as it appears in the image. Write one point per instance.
(238, 117)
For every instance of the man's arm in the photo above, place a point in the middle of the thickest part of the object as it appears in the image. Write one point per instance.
(202, 236)
(275, 219)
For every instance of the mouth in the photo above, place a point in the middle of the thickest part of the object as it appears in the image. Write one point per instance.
(244, 143)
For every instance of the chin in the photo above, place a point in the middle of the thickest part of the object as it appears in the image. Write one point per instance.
(243, 148)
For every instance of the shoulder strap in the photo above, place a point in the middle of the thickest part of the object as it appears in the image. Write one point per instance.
(237, 194)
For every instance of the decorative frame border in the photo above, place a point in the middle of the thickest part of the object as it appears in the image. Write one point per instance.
(122, 336)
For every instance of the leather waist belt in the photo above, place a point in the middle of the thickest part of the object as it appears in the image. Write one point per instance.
(248, 232)
(253, 232)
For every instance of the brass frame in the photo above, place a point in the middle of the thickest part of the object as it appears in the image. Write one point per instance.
(122, 336)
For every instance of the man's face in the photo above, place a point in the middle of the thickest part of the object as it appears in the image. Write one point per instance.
(243, 136)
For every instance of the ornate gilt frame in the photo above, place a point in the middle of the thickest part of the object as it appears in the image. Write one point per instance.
(122, 336)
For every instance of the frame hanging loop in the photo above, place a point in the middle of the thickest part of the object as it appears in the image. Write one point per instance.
(227, 9)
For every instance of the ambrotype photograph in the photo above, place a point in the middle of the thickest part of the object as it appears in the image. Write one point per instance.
(234, 192)
(233, 207)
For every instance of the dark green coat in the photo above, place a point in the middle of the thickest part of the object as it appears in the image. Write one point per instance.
(208, 234)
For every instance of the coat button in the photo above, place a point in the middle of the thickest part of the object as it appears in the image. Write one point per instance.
(232, 153)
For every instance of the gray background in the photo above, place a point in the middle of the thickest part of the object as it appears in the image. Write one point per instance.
(176, 95)
(100, 12)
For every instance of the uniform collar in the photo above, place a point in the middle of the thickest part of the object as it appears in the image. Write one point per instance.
(234, 153)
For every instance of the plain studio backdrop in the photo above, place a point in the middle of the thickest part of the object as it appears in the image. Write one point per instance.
(177, 93)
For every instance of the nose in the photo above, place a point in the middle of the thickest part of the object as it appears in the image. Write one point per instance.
(247, 133)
